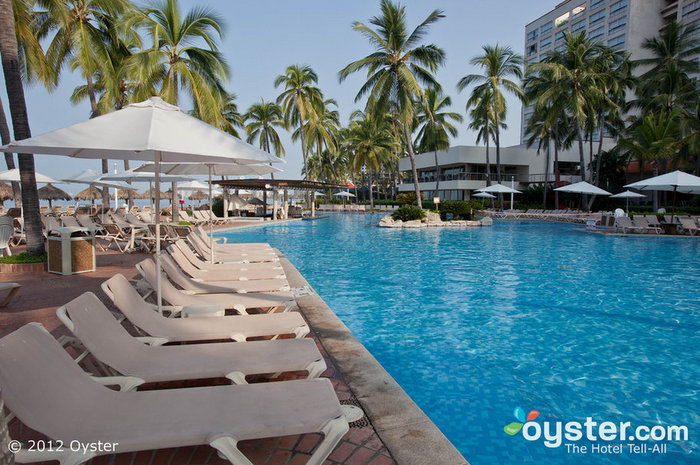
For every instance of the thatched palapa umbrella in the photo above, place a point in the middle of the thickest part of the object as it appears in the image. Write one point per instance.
(91, 193)
(151, 194)
(6, 192)
(50, 192)
(198, 196)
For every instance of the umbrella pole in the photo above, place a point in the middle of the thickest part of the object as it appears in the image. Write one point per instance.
(673, 207)
(158, 276)
(211, 222)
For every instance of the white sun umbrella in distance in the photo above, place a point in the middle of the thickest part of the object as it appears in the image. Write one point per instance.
(499, 189)
(676, 181)
(627, 195)
(484, 195)
(93, 177)
(212, 169)
(344, 195)
(152, 130)
(583, 188)
(13, 176)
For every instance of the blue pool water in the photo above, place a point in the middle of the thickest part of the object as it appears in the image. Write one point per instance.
(475, 322)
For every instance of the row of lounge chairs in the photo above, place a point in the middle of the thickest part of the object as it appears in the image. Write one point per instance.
(647, 224)
(44, 383)
(356, 208)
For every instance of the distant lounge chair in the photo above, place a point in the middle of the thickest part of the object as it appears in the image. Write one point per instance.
(643, 225)
(70, 221)
(687, 224)
(57, 210)
(7, 232)
(12, 288)
(241, 302)
(211, 272)
(50, 393)
(86, 222)
(240, 254)
(145, 358)
(624, 224)
(238, 328)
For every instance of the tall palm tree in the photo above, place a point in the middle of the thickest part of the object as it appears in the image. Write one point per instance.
(227, 107)
(79, 41)
(297, 100)
(178, 64)
(576, 73)
(499, 64)
(482, 121)
(667, 84)
(20, 122)
(655, 138)
(372, 144)
(322, 131)
(396, 69)
(435, 126)
(261, 120)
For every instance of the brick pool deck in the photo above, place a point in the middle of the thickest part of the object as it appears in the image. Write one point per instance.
(42, 293)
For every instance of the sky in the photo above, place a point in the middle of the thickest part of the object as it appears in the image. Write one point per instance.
(263, 37)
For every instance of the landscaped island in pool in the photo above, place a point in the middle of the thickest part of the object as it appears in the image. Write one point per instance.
(476, 322)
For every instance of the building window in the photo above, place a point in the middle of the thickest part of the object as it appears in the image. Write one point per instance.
(545, 43)
(560, 37)
(597, 34)
(546, 28)
(578, 27)
(596, 3)
(617, 42)
(595, 18)
(617, 25)
(619, 7)
(691, 8)
(532, 50)
(532, 35)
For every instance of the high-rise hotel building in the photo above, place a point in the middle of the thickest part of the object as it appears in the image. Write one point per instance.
(617, 23)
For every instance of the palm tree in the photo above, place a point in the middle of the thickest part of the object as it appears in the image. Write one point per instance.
(20, 122)
(322, 131)
(654, 139)
(179, 65)
(690, 131)
(371, 143)
(261, 120)
(575, 75)
(667, 84)
(482, 119)
(297, 100)
(226, 105)
(498, 65)
(435, 128)
(396, 69)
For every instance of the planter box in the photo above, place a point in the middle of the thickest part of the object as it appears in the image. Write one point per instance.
(23, 268)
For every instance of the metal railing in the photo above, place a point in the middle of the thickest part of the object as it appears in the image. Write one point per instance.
(552, 177)
(465, 177)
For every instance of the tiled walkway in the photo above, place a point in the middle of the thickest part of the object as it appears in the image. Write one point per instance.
(42, 294)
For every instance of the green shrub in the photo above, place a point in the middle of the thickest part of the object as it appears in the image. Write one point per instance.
(23, 258)
(408, 213)
(406, 197)
(457, 208)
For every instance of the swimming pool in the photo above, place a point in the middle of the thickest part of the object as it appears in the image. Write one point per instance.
(475, 322)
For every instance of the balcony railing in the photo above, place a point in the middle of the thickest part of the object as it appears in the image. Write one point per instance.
(465, 177)
(552, 177)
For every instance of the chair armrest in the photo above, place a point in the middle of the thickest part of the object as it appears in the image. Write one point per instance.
(125, 383)
(152, 341)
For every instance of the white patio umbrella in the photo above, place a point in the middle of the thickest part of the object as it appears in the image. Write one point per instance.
(676, 181)
(484, 195)
(93, 177)
(152, 130)
(627, 195)
(13, 176)
(499, 189)
(583, 188)
(344, 195)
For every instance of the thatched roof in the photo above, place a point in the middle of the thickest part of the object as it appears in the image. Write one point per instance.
(91, 193)
(198, 195)
(6, 192)
(151, 194)
(51, 192)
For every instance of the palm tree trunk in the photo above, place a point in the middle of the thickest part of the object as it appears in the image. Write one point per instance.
(95, 112)
(369, 185)
(584, 197)
(303, 154)
(20, 124)
(596, 181)
(556, 166)
(488, 163)
(437, 172)
(412, 156)
(546, 176)
(498, 161)
(9, 158)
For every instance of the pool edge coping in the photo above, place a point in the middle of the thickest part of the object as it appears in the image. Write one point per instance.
(407, 432)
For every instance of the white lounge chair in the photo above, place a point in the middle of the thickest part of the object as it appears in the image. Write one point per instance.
(241, 303)
(50, 393)
(211, 272)
(145, 358)
(687, 224)
(239, 328)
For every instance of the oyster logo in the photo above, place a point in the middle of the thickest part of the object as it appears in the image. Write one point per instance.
(519, 414)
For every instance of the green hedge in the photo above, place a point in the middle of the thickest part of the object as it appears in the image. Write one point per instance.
(22, 258)
(408, 213)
